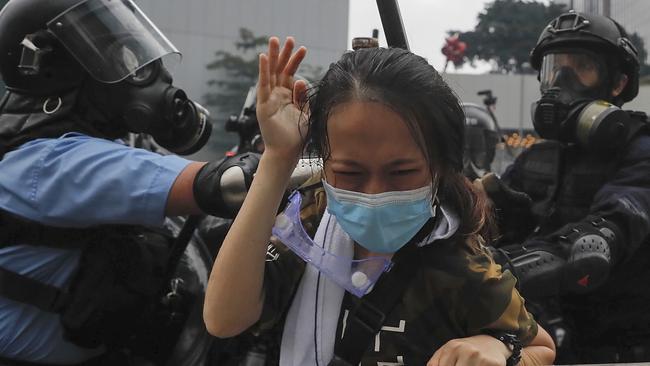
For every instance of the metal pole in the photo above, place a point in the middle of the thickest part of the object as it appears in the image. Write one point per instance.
(522, 98)
(391, 20)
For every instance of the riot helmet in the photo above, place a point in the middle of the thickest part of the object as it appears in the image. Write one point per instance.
(589, 35)
(584, 60)
(481, 138)
(110, 53)
(47, 46)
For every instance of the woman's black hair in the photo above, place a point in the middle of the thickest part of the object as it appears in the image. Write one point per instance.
(406, 83)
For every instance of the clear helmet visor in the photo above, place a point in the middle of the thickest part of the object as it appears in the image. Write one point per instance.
(111, 39)
(583, 68)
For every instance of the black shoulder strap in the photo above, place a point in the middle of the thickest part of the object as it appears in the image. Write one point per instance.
(368, 316)
(23, 289)
(15, 230)
(17, 287)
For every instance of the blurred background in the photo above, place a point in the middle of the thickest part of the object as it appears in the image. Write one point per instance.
(477, 44)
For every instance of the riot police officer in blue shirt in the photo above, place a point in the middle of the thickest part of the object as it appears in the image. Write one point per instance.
(82, 251)
(573, 209)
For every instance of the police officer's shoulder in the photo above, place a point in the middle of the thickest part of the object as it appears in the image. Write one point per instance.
(539, 147)
(58, 144)
(638, 146)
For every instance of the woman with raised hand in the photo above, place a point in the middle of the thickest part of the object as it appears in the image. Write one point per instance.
(391, 226)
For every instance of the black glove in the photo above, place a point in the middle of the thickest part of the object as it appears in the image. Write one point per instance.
(513, 208)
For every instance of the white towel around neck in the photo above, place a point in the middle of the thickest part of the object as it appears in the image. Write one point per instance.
(310, 327)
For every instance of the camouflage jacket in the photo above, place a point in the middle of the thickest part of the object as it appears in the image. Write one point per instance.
(457, 291)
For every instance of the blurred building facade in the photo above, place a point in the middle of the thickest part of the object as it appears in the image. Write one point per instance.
(633, 15)
(199, 28)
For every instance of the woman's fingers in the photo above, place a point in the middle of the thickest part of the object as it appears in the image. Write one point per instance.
(285, 54)
(277, 67)
(274, 51)
(264, 84)
(448, 359)
(286, 77)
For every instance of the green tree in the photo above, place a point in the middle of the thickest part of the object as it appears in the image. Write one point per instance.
(507, 31)
(237, 73)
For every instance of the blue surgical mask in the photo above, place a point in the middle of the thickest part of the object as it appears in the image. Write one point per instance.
(382, 222)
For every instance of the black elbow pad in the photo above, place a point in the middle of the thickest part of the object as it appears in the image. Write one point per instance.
(592, 245)
(221, 186)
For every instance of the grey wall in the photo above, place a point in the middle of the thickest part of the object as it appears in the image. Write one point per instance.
(642, 101)
(515, 94)
(201, 27)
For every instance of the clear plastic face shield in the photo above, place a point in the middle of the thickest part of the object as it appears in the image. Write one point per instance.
(112, 39)
(356, 276)
(574, 70)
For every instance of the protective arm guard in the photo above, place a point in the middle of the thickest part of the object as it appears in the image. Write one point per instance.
(221, 186)
(575, 259)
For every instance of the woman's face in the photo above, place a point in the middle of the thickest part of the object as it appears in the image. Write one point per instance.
(372, 150)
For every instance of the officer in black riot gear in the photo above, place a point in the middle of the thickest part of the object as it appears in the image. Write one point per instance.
(573, 209)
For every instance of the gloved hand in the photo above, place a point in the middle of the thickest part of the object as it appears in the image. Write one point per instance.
(501, 194)
(512, 208)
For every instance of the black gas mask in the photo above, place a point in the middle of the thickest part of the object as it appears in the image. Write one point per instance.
(574, 107)
(129, 87)
(147, 102)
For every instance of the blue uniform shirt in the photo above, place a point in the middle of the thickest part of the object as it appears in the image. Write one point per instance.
(72, 181)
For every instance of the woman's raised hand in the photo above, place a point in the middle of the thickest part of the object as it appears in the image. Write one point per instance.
(279, 99)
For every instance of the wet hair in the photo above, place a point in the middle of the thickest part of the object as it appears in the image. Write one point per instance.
(412, 88)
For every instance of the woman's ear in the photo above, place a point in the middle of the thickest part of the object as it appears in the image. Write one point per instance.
(618, 88)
